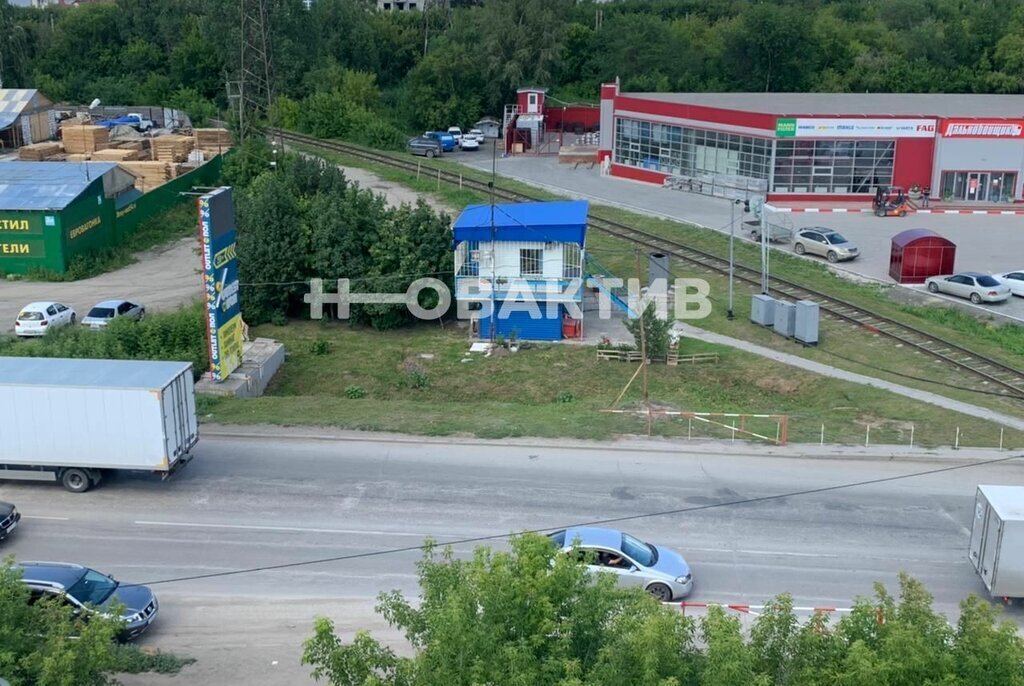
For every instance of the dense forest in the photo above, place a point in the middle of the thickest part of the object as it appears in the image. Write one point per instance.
(341, 63)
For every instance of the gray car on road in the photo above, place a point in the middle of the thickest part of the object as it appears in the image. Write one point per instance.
(661, 572)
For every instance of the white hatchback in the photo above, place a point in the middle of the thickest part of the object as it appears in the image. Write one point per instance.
(35, 319)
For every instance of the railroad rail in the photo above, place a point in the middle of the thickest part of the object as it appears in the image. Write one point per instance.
(1006, 378)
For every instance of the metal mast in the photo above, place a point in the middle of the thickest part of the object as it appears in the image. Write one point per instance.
(256, 71)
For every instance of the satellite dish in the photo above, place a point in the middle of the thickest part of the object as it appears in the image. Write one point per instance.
(94, 104)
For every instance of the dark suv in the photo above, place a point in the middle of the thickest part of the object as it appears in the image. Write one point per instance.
(88, 591)
(9, 518)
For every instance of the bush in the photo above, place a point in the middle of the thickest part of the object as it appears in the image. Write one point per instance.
(177, 335)
(566, 397)
(320, 346)
(355, 392)
(418, 379)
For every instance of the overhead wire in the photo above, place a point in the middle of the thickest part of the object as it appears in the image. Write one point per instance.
(592, 522)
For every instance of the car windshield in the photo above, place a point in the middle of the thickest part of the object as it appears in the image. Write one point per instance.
(642, 553)
(836, 238)
(987, 281)
(93, 588)
(30, 316)
(101, 312)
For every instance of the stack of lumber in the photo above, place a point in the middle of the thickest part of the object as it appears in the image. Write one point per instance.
(84, 138)
(131, 145)
(76, 157)
(149, 175)
(37, 152)
(213, 140)
(116, 155)
(172, 148)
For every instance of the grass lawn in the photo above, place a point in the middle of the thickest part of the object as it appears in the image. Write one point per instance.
(415, 381)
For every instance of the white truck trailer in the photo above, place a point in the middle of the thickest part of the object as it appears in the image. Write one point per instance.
(73, 420)
(997, 540)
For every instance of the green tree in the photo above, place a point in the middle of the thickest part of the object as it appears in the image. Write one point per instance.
(271, 249)
(656, 332)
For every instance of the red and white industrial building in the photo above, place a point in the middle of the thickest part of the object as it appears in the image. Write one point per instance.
(820, 146)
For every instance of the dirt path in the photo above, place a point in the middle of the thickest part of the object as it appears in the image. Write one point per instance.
(164, 278)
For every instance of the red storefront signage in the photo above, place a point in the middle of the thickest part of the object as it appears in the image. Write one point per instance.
(983, 128)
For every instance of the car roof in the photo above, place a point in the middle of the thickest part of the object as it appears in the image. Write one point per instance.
(64, 573)
(593, 536)
(39, 305)
(109, 303)
(974, 274)
(819, 229)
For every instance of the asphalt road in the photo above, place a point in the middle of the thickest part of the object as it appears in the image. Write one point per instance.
(264, 502)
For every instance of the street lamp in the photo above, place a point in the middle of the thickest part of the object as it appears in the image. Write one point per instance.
(732, 263)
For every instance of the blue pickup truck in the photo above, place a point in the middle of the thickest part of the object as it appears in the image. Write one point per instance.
(446, 140)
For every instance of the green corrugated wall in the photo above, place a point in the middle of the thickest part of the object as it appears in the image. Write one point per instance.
(46, 240)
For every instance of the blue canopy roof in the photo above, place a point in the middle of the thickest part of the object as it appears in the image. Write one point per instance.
(554, 222)
(46, 185)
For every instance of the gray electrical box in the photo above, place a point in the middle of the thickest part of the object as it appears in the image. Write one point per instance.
(785, 318)
(807, 316)
(658, 266)
(762, 310)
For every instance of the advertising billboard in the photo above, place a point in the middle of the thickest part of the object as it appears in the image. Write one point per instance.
(983, 128)
(220, 281)
(855, 128)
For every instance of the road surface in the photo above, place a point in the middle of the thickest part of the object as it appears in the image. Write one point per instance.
(249, 503)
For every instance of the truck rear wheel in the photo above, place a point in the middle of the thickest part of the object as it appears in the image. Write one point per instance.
(75, 480)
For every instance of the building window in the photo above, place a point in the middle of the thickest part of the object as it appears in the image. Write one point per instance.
(684, 151)
(531, 261)
(979, 186)
(572, 264)
(832, 166)
(467, 257)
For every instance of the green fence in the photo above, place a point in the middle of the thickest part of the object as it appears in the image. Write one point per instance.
(165, 197)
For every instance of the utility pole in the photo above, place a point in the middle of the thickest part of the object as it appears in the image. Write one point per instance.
(494, 241)
(643, 344)
(732, 261)
(256, 72)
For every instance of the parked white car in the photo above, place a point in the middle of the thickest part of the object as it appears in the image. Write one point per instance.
(35, 319)
(456, 133)
(101, 314)
(978, 287)
(1014, 279)
(469, 144)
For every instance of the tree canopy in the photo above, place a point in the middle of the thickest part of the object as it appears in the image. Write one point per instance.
(532, 616)
(452, 64)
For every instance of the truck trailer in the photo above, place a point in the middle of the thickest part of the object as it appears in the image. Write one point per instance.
(73, 420)
(997, 540)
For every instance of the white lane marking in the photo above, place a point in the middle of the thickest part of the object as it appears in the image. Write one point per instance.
(54, 519)
(760, 552)
(297, 529)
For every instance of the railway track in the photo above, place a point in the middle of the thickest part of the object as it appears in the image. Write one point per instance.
(1008, 380)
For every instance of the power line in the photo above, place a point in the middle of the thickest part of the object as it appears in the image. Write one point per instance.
(594, 522)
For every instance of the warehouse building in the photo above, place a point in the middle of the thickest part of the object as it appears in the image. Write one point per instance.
(26, 116)
(51, 212)
(819, 146)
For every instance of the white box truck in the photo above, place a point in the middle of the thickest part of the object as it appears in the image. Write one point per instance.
(997, 540)
(72, 420)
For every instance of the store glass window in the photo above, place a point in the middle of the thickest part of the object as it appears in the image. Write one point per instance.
(977, 186)
(832, 166)
(684, 151)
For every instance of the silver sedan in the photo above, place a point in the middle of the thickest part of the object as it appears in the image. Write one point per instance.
(661, 572)
(978, 287)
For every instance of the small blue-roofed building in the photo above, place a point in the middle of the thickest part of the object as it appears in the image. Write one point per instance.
(519, 268)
